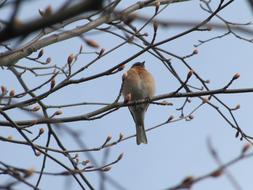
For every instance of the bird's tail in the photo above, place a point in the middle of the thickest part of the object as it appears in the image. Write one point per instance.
(138, 113)
(141, 135)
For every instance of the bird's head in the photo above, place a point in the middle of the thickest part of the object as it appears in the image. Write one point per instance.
(139, 64)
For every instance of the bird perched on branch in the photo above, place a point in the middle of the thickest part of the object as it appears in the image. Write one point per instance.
(138, 84)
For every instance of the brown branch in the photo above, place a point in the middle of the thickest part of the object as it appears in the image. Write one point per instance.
(10, 58)
(188, 182)
(89, 116)
(12, 31)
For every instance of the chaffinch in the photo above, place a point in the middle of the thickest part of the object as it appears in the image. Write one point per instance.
(138, 84)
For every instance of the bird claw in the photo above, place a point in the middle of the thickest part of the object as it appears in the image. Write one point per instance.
(148, 99)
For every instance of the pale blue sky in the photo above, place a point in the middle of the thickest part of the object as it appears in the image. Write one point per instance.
(175, 150)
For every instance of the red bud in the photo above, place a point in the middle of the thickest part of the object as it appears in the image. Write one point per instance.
(71, 57)
(236, 76)
(92, 43)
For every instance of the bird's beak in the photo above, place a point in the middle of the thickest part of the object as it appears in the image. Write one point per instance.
(142, 64)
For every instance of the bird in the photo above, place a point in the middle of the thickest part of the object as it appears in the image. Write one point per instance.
(138, 84)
